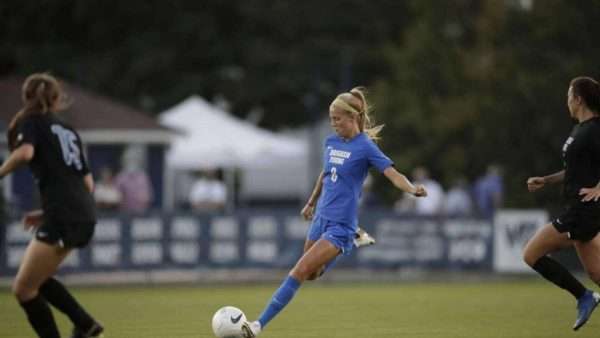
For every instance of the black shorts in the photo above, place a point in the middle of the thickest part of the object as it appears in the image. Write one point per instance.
(580, 224)
(66, 235)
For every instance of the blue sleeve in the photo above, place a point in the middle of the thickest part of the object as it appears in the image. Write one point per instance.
(377, 158)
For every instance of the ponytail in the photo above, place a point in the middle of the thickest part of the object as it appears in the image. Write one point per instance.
(365, 124)
(41, 93)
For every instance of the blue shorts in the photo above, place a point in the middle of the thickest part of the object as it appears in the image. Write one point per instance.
(340, 235)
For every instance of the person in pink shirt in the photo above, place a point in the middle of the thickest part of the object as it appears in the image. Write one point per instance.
(134, 185)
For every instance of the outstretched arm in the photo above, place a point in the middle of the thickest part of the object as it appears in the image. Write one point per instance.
(401, 182)
(536, 183)
(309, 209)
(18, 157)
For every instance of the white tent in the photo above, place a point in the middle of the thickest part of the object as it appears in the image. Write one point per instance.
(213, 138)
(273, 165)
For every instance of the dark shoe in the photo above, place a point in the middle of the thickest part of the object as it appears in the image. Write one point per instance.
(585, 306)
(95, 331)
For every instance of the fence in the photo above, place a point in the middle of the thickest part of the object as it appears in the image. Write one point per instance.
(274, 239)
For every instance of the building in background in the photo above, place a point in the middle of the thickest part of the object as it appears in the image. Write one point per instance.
(107, 129)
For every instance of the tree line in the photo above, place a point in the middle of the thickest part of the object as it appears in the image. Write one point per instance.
(459, 84)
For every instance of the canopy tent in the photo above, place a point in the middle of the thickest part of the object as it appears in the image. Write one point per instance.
(212, 138)
(272, 165)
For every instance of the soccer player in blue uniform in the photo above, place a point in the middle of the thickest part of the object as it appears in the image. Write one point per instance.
(579, 223)
(54, 153)
(348, 155)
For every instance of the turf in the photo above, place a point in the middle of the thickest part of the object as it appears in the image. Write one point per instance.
(451, 310)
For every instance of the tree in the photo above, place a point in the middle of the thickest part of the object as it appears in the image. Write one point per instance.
(480, 82)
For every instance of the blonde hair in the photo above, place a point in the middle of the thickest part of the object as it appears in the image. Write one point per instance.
(41, 93)
(347, 102)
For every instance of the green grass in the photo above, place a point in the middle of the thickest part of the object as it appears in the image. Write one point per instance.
(450, 310)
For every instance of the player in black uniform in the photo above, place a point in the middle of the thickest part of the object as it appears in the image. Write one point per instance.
(579, 223)
(54, 154)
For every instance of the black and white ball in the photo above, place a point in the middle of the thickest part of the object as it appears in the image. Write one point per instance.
(227, 322)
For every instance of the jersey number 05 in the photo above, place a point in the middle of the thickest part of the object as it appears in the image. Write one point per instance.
(70, 150)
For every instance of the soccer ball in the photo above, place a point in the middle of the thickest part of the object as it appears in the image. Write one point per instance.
(227, 322)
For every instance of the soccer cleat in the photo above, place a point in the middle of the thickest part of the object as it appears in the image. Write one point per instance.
(362, 238)
(251, 329)
(94, 332)
(585, 306)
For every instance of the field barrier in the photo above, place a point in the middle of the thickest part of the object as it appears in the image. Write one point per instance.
(274, 240)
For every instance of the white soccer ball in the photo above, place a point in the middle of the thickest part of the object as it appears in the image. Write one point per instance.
(227, 322)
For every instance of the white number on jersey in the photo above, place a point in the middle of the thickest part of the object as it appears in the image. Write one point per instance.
(70, 150)
(334, 175)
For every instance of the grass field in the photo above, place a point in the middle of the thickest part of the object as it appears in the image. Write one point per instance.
(450, 310)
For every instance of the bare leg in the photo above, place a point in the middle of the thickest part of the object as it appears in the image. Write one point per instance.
(319, 254)
(546, 240)
(307, 245)
(589, 255)
(39, 263)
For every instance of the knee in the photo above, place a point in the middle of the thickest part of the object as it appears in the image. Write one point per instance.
(315, 275)
(312, 277)
(530, 258)
(302, 273)
(22, 291)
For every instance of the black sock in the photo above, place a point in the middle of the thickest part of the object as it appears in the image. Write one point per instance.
(557, 274)
(40, 317)
(57, 295)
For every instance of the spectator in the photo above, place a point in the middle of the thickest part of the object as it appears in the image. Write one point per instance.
(489, 191)
(458, 201)
(430, 205)
(106, 192)
(133, 183)
(208, 193)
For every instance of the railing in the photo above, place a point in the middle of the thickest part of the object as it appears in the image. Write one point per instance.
(274, 239)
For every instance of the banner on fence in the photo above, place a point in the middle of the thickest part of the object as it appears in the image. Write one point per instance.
(264, 240)
(512, 230)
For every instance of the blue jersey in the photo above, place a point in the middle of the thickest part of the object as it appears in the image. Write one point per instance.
(345, 167)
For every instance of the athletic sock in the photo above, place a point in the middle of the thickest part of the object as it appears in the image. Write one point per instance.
(557, 274)
(280, 299)
(40, 317)
(57, 295)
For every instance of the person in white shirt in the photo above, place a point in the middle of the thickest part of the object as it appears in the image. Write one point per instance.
(458, 202)
(432, 205)
(106, 192)
(208, 193)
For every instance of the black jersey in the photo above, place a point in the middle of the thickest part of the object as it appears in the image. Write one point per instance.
(581, 158)
(58, 166)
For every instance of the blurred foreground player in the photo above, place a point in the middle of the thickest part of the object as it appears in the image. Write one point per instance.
(54, 153)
